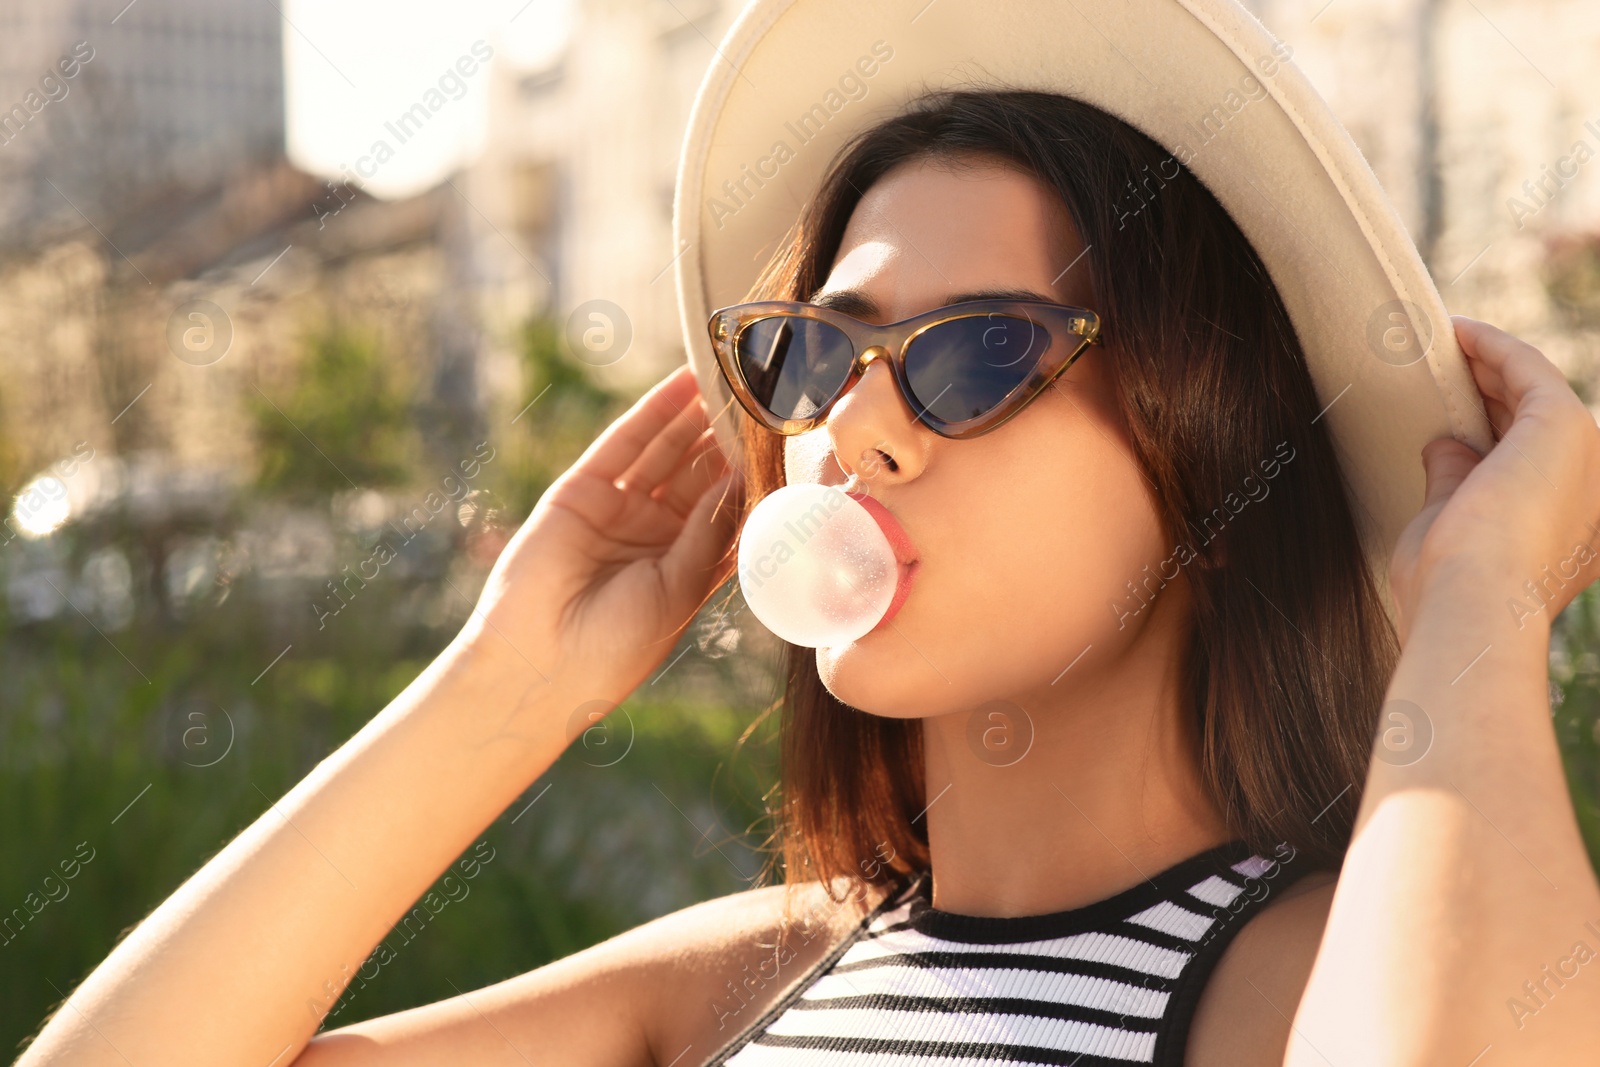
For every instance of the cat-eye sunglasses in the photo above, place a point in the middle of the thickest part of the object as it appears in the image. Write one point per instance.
(963, 369)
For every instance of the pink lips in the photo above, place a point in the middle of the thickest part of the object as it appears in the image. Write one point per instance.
(905, 553)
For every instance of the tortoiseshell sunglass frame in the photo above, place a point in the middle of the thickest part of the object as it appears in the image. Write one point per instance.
(891, 341)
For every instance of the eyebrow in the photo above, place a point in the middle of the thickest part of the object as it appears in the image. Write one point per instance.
(857, 303)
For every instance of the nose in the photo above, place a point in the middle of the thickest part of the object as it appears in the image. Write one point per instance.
(872, 430)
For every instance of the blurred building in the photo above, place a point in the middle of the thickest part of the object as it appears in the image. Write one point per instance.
(143, 167)
(576, 183)
(161, 93)
(1481, 118)
(1455, 104)
(158, 177)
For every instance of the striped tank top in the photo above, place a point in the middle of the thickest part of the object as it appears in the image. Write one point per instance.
(1111, 983)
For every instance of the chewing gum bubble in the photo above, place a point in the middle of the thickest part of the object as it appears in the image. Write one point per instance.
(815, 567)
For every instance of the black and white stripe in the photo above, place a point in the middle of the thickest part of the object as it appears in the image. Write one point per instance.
(1111, 983)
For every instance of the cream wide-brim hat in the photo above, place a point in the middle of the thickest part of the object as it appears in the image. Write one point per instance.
(1204, 79)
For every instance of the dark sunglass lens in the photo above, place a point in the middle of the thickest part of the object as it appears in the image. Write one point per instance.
(964, 368)
(793, 365)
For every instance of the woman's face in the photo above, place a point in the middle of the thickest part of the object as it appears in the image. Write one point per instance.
(1027, 535)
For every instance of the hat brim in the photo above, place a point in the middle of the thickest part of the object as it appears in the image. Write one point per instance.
(794, 79)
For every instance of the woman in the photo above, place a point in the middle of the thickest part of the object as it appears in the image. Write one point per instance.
(1176, 726)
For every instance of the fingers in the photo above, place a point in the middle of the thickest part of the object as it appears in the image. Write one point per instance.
(1446, 463)
(665, 452)
(1499, 415)
(1505, 368)
(1528, 398)
(615, 450)
(702, 465)
(701, 557)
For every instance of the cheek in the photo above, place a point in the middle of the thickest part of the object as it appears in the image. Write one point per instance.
(1020, 573)
(1052, 554)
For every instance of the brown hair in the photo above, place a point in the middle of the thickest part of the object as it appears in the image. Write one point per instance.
(1290, 651)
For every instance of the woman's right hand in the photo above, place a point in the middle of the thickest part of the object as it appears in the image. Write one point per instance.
(620, 551)
(589, 595)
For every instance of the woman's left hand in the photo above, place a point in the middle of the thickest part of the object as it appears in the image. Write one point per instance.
(1531, 503)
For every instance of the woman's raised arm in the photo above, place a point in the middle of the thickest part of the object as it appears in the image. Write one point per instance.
(1467, 915)
(584, 602)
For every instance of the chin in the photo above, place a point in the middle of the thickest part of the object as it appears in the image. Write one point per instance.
(880, 675)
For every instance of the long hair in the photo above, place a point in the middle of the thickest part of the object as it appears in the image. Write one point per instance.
(1290, 650)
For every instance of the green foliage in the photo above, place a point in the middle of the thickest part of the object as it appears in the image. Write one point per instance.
(1571, 275)
(347, 420)
(1575, 708)
(11, 461)
(155, 778)
(560, 413)
(154, 744)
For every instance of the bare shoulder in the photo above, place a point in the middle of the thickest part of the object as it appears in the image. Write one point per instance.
(1244, 1014)
(721, 964)
(669, 991)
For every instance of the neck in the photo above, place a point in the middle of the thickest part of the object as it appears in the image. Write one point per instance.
(1108, 794)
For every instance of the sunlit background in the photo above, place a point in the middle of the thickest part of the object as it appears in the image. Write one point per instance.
(271, 272)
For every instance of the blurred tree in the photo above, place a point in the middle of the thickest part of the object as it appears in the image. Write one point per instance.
(1575, 708)
(12, 464)
(347, 420)
(1572, 278)
(560, 413)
